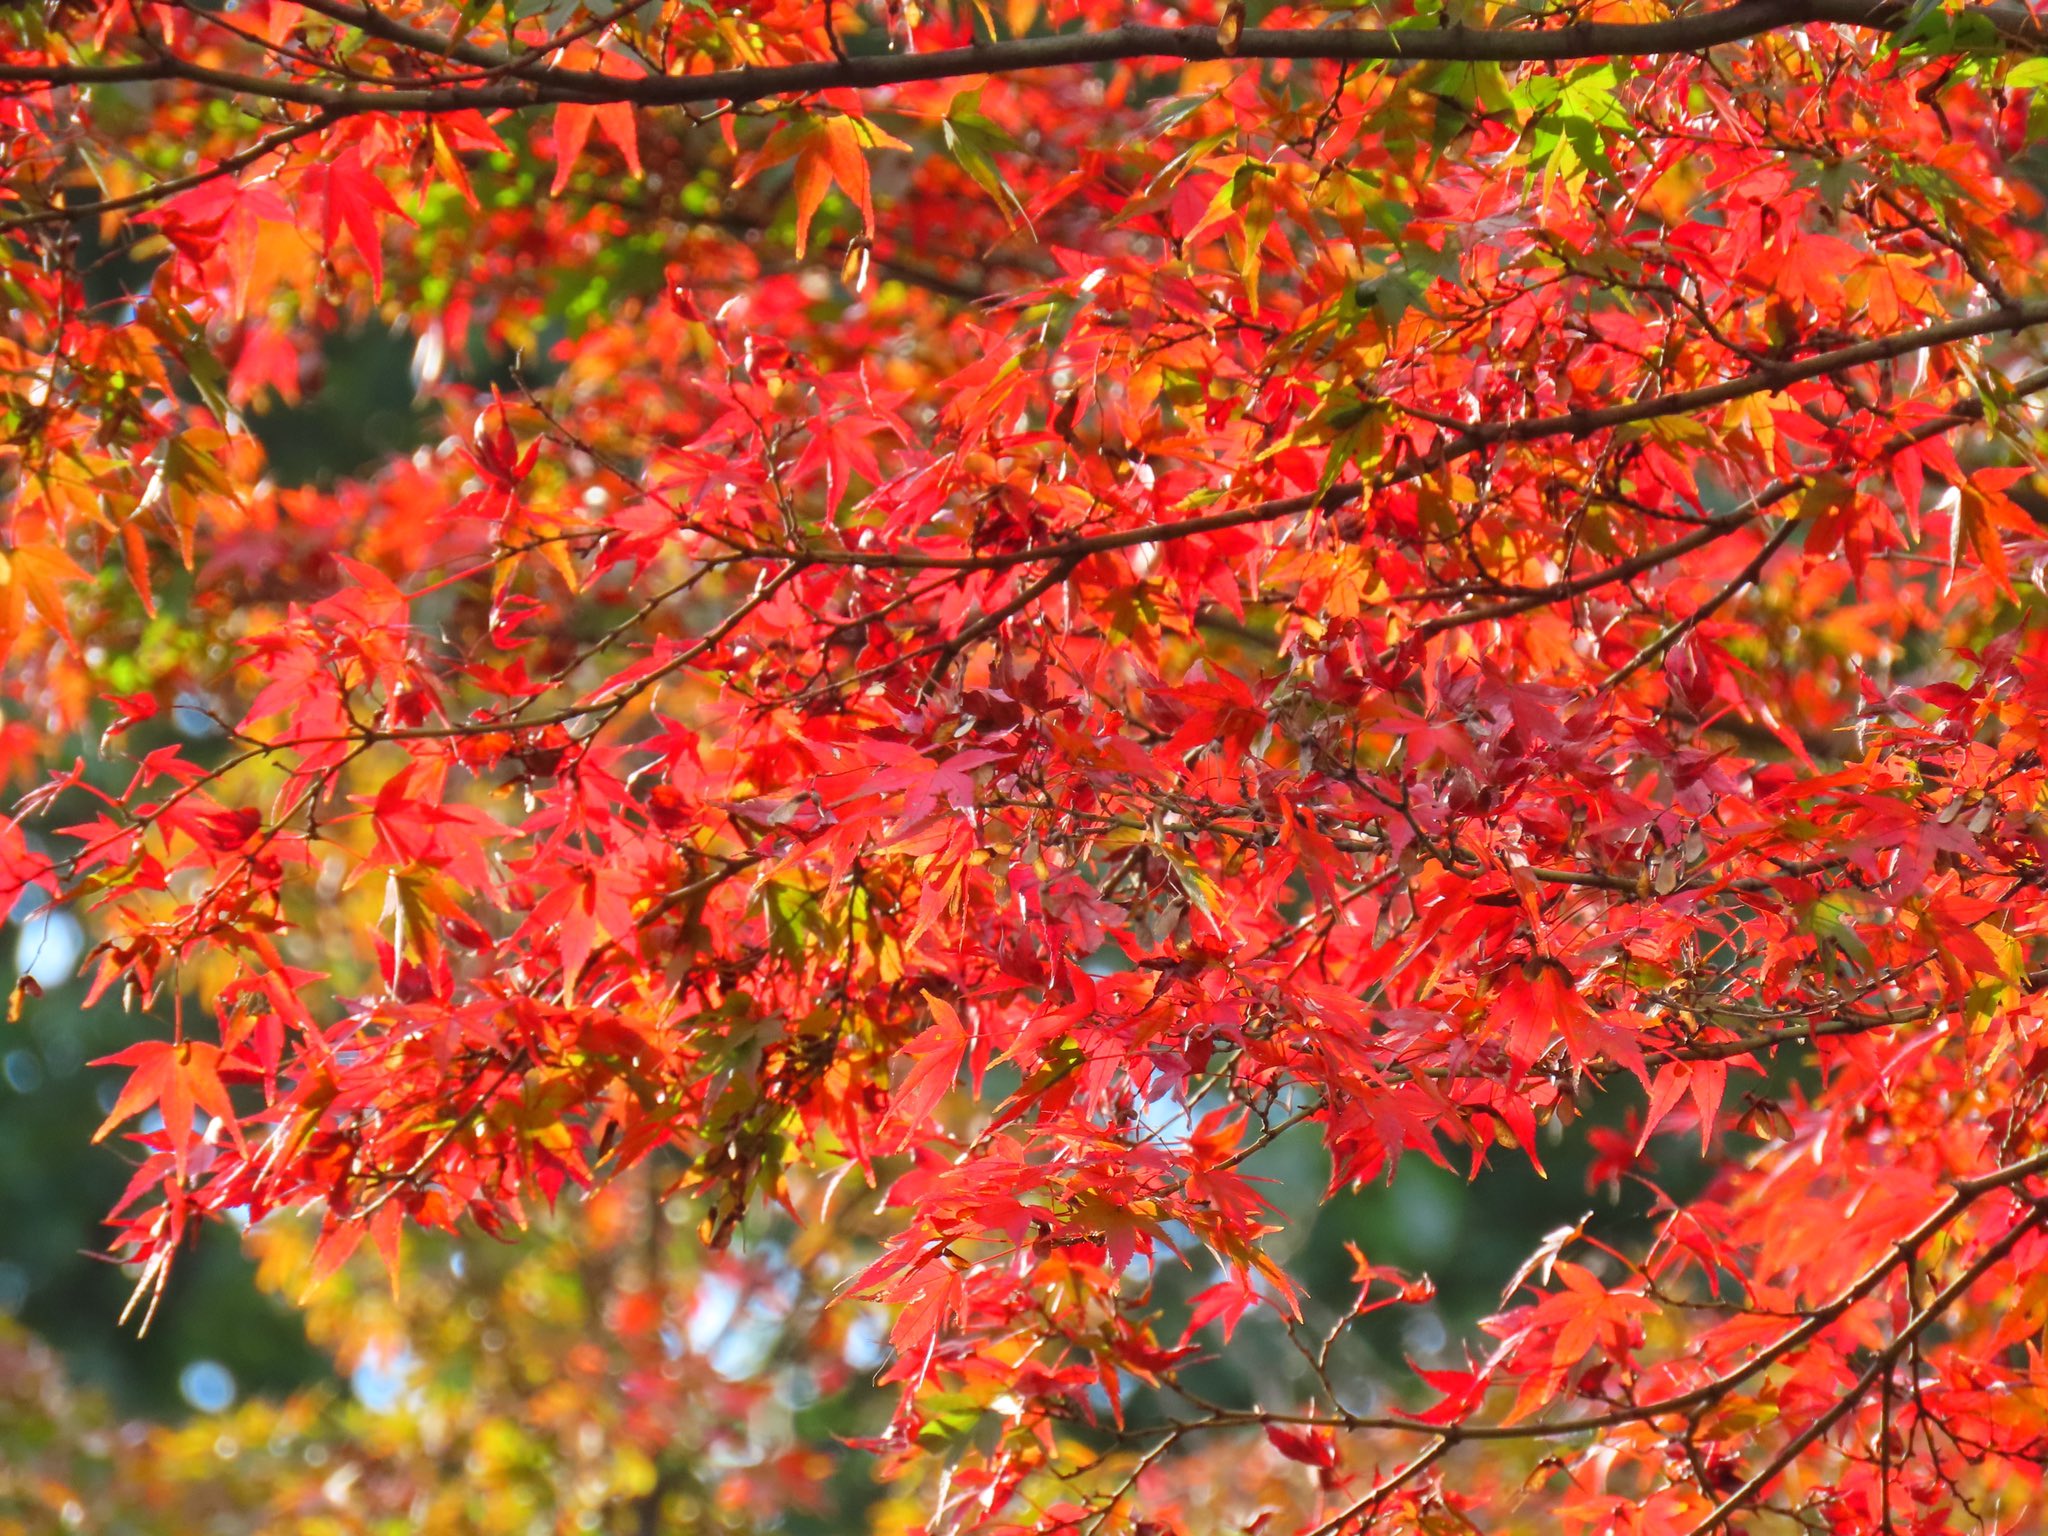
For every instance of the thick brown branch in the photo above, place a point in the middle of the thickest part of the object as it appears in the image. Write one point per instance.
(1117, 45)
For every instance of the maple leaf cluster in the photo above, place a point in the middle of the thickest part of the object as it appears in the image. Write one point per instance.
(1011, 605)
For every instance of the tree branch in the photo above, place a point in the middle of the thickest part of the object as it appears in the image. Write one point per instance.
(1575, 41)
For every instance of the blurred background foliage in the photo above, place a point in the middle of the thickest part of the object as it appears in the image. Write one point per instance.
(601, 1372)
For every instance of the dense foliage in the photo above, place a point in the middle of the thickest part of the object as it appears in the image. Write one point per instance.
(999, 609)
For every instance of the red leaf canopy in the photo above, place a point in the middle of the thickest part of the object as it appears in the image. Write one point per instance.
(1015, 606)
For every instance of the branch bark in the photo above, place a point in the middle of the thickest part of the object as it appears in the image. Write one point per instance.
(2007, 20)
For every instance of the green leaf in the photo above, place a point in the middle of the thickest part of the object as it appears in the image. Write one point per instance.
(973, 141)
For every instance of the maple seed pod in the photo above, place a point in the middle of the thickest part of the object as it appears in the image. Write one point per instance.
(1230, 28)
(854, 273)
